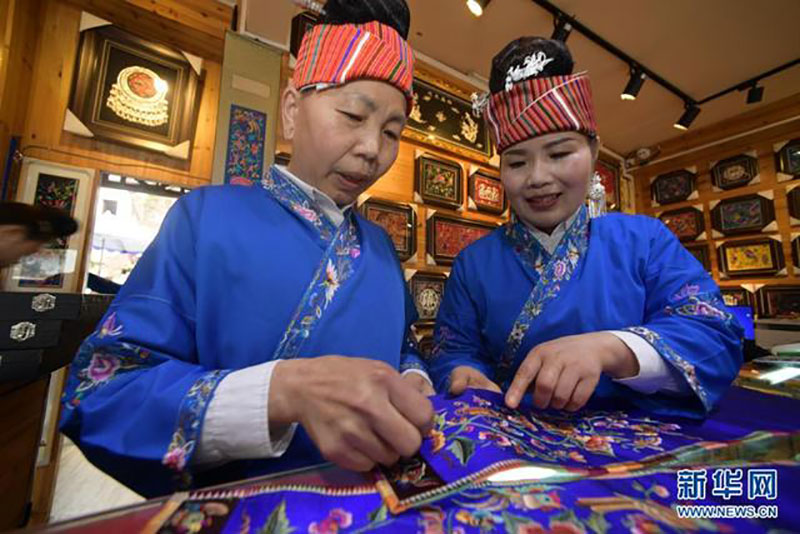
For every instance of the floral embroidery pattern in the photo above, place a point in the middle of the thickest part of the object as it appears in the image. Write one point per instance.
(338, 518)
(458, 436)
(293, 198)
(190, 416)
(96, 366)
(694, 303)
(337, 265)
(557, 270)
(665, 350)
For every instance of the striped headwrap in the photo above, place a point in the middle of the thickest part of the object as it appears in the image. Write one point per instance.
(334, 54)
(539, 106)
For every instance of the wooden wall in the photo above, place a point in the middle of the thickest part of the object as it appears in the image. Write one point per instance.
(49, 95)
(757, 131)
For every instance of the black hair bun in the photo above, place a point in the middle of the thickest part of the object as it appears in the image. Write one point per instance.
(394, 13)
(515, 52)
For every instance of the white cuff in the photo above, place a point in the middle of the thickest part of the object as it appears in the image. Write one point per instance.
(236, 424)
(655, 374)
(420, 372)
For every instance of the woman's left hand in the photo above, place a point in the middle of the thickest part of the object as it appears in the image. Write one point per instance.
(563, 373)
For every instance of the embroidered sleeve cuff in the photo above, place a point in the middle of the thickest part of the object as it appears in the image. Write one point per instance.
(237, 424)
(654, 373)
(420, 372)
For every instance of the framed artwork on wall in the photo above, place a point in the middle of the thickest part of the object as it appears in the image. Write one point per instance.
(700, 252)
(743, 215)
(442, 116)
(787, 160)
(427, 290)
(609, 172)
(399, 220)
(737, 296)
(793, 203)
(56, 266)
(779, 302)
(439, 182)
(136, 92)
(486, 193)
(751, 258)
(247, 134)
(796, 252)
(447, 236)
(686, 223)
(673, 186)
(737, 171)
(301, 23)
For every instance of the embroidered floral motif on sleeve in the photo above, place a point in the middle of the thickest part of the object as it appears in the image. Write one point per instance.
(190, 418)
(689, 301)
(665, 350)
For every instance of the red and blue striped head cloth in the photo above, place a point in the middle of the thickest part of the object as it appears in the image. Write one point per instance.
(335, 54)
(539, 106)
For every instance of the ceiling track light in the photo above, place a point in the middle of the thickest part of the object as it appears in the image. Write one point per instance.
(755, 94)
(562, 29)
(688, 117)
(634, 84)
(477, 7)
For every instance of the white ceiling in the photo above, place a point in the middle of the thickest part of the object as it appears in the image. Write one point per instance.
(700, 46)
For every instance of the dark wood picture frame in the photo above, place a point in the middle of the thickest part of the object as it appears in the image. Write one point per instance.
(610, 172)
(669, 219)
(104, 56)
(776, 260)
(424, 186)
(434, 241)
(701, 254)
(484, 178)
(787, 159)
(733, 172)
(721, 215)
(793, 202)
(427, 291)
(672, 187)
(301, 23)
(779, 302)
(442, 116)
(408, 247)
(796, 253)
(737, 296)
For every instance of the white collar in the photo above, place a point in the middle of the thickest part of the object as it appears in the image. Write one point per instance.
(323, 201)
(551, 241)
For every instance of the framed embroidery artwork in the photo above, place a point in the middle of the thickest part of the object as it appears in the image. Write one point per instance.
(686, 223)
(700, 252)
(399, 221)
(301, 23)
(442, 116)
(247, 133)
(447, 236)
(427, 290)
(55, 267)
(734, 172)
(610, 174)
(439, 182)
(787, 160)
(486, 193)
(796, 252)
(751, 258)
(743, 215)
(132, 91)
(737, 296)
(779, 301)
(673, 187)
(793, 202)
